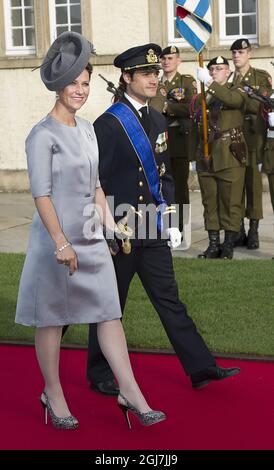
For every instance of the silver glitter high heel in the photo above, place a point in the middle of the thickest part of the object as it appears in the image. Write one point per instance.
(146, 419)
(69, 422)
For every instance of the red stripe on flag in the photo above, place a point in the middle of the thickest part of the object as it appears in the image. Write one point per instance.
(181, 12)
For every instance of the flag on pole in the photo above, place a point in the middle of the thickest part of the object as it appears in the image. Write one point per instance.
(194, 22)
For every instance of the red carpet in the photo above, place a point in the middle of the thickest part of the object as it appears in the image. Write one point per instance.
(237, 413)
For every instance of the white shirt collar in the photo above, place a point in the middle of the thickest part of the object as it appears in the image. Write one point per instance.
(135, 103)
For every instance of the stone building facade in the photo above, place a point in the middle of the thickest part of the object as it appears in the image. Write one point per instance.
(27, 28)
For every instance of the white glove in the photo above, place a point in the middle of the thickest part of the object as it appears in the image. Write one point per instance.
(271, 119)
(193, 166)
(174, 235)
(259, 166)
(203, 75)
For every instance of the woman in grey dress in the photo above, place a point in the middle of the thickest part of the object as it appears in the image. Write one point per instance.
(68, 275)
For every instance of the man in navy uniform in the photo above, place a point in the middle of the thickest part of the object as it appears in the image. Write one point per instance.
(173, 98)
(134, 168)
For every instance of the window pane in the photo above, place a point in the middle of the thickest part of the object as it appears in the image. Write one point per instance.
(61, 29)
(30, 37)
(75, 14)
(77, 29)
(17, 37)
(231, 6)
(16, 17)
(28, 3)
(61, 1)
(29, 17)
(61, 15)
(15, 3)
(249, 6)
(232, 26)
(249, 24)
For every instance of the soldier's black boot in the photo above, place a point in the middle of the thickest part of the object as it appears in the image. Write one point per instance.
(227, 246)
(213, 249)
(253, 236)
(240, 238)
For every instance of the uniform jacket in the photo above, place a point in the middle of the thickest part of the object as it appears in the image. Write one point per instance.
(231, 102)
(268, 150)
(181, 142)
(254, 128)
(121, 174)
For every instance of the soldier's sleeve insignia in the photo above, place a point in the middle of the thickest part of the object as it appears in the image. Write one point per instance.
(161, 142)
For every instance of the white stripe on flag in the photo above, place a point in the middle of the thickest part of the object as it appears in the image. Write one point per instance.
(208, 17)
(191, 4)
(196, 27)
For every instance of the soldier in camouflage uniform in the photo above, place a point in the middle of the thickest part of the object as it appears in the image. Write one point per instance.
(252, 196)
(173, 98)
(222, 180)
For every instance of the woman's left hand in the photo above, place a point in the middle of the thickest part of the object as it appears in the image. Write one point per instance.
(68, 257)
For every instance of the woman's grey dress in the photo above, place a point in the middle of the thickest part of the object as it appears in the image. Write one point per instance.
(63, 164)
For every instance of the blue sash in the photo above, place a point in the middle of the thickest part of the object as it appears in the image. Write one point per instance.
(143, 150)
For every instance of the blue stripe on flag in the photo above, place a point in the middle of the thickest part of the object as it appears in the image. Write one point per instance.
(189, 35)
(181, 2)
(201, 8)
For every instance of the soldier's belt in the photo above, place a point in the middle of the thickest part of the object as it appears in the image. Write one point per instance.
(218, 134)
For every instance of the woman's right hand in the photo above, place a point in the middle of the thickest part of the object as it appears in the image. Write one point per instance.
(67, 257)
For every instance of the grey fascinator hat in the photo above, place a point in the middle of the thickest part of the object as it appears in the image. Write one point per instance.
(66, 58)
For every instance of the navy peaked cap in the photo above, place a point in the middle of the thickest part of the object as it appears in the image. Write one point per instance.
(146, 56)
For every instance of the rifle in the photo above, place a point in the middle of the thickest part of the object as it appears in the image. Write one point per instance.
(256, 95)
(111, 87)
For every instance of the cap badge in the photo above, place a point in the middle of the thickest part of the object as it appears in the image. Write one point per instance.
(244, 45)
(173, 49)
(151, 57)
(219, 60)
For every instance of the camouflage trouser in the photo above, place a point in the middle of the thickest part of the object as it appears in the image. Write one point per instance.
(221, 197)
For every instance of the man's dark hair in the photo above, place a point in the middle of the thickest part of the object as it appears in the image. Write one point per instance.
(123, 85)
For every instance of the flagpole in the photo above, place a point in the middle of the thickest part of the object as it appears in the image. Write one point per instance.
(204, 117)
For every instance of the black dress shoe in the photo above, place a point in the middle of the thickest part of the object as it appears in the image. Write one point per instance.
(109, 387)
(202, 378)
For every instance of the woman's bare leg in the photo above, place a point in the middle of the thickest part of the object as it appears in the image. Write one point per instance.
(47, 345)
(112, 341)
